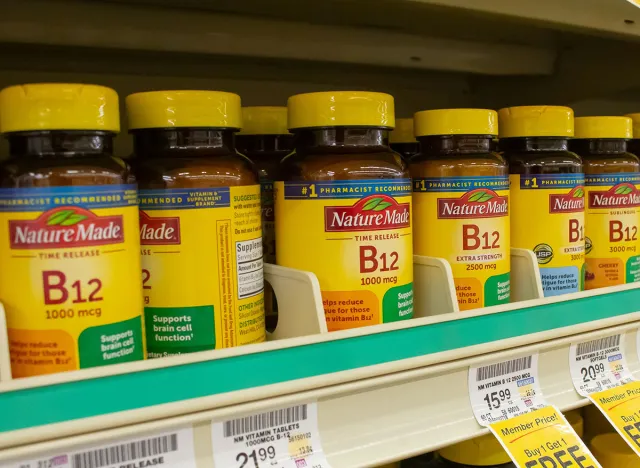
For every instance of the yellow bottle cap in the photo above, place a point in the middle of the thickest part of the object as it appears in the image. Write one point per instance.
(575, 419)
(536, 121)
(481, 451)
(636, 124)
(59, 106)
(456, 122)
(341, 108)
(604, 127)
(613, 452)
(262, 120)
(167, 109)
(403, 133)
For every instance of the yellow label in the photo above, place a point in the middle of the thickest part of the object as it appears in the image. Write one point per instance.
(547, 216)
(543, 439)
(621, 406)
(355, 235)
(69, 280)
(465, 220)
(612, 221)
(202, 268)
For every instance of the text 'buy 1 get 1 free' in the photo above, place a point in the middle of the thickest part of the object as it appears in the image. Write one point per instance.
(343, 210)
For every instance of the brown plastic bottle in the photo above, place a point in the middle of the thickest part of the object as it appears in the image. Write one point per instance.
(200, 223)
(461, 193)
(343, 210)
(613, 202)
(70, 280)
(402, 139)
(547, 192)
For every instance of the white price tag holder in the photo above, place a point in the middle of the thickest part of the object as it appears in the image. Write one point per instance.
(598, 365)
(505, 389)
(173, 449)
(282, 438)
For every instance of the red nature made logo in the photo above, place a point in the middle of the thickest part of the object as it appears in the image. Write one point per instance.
(478, 203)
(159, 231)
(63, 227)
(372, 213)
(623, 195)
(572, 202)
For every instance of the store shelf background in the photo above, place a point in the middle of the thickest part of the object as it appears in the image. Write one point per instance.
(427, 53)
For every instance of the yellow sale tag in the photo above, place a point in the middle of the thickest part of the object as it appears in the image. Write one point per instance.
(621, 406)
(543, 439)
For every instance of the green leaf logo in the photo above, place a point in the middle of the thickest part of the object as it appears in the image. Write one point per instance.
(481, 197)
(579, 193)
(65, 218)
(623, 190)
(376, 204)
(381, 206)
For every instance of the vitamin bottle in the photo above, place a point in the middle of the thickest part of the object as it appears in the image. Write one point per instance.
(633, 145)
(343, 210)
(265, 139)
(612, 451)
(547, 192)
(612, 212)
(200, 225)
(483, 451)
(69, 249)
(461, 202)
(402, 139)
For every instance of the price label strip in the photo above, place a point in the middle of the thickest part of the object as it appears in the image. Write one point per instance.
(283, 438)
(170, 450)
(543, 439)
(598, 365)
(506, 389)
(599, 372)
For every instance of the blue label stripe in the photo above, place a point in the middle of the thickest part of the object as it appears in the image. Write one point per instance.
(612, 179)
(176, 199)
(86, 196)
(460, 184)
(347, 188)
(550, 181)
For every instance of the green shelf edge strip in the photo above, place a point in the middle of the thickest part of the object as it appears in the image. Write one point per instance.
(26, 408)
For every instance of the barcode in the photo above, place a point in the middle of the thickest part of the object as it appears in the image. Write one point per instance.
(507, 367)
(259, 422)
(597, 345)
(126, 452)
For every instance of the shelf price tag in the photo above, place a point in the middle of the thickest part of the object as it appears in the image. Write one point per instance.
(621, 406)
(598, 365)
(506, 389)
(283, 438)
(543, 439)
(173, 449)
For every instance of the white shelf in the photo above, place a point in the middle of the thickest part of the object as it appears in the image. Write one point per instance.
(384, 393)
